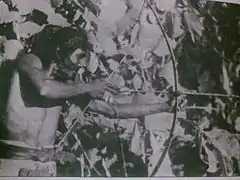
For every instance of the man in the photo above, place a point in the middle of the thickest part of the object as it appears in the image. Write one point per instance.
(35, 99)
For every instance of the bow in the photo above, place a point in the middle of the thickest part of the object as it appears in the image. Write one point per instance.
(173, 59)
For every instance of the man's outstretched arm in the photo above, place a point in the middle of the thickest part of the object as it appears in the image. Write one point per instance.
(130, 110)
(31, 65)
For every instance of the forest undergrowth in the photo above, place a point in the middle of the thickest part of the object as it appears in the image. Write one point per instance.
(183, 50)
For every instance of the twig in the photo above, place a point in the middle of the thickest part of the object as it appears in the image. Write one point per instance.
(211, 94)
(105, 168)
(139, 15)
(78, 4)
(124, 161)
(67, 133)
(173, 59)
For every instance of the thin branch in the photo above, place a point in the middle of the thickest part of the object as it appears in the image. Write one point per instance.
(173, 59)
(70, 130)
(85, 154)
(185, 93)
(211, 94)
(139, 15)
(105, 168)
(78, 4)
(124, 161)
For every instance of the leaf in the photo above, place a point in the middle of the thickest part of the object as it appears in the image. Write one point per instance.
(93, 63)
(165, 169)
(77, 15)
(117, 81)
(226, 81)
(56, 3)
(164, 5)
(161, 49)
(149, 34)
(136, 141)
(93, 157)
(3, 11)
(135, 34)
(12, 49)
(113, 65)
(169, 24)
(168, 74)
(106, 43)
(193, 24)
(27, 6)
(126, 21)
(137, 82)
(161, 122)
(237, 124)
(102, 68)
(13, 16)
(108, 174)
(228, 148)
(212, 160)
(27, 29)
(107, 8)
(58, 20)
(74, 113)
(154, 143)
(7, 16)
(24, 6)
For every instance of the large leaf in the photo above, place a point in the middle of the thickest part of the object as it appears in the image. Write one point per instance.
(136, 141)
(7, 16)
(12, 49)
(193, 24)
(27, 29)
(227, 147)
(108, 7)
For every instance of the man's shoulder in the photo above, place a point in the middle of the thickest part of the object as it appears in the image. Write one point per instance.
(29, 56)
(30, 60)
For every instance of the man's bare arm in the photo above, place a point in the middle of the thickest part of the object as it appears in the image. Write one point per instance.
(133, 110)
(31, 65)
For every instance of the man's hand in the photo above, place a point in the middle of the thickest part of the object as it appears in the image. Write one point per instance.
(100, 86)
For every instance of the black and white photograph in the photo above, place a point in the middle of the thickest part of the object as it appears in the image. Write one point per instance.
(119, 88)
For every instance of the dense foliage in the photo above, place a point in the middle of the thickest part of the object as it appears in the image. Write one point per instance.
(135, 47)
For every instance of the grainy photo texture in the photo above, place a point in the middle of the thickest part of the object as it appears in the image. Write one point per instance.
(119, 88)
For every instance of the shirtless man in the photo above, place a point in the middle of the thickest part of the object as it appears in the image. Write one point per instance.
(35, 100)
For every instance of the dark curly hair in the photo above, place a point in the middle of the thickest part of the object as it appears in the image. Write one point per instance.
(54, 43)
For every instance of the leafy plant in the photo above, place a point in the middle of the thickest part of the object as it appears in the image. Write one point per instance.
(183, 50)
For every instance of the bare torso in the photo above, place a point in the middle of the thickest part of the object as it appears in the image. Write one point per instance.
(30, 117)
